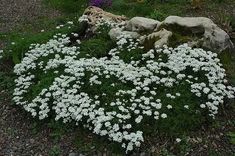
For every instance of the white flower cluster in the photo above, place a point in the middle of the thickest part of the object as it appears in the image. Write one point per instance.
(118, 117)
(125, 41)
(1, 52)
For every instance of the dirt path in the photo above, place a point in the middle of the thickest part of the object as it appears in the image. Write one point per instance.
(17, 132)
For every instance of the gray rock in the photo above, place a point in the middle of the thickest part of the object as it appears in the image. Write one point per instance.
(159, 38)
(74, 154)
(214, 38)
(116, 32)
(140, 24)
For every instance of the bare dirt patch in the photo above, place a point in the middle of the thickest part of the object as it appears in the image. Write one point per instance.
(15, 12)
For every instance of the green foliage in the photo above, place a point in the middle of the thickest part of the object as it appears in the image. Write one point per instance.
(57, 129)
(55, 151)
(130, 8)
(22, 42)
(6, 80)
(228, 61)
(232, 137)
(158, 15)
(165, 152)
(96, 47)
(183, 147)
(68, 6)
(88, 143)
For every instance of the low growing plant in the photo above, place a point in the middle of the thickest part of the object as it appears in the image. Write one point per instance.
(124, 93)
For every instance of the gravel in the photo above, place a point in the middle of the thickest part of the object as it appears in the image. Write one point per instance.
(16, 12)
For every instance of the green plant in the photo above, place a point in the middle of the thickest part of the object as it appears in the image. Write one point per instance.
(6, 80)
(68, 6)
(55, 151)
(232, 137)
(158, 15)
(173, 95)
(18, 44)
(57, 129)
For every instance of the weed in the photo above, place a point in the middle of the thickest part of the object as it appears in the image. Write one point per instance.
(55, 151)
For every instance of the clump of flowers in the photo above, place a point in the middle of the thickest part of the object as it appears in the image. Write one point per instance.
(113, 97)
(101, 3)
(1, 52)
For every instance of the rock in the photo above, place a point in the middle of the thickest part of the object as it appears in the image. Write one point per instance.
(213, 37)
(74, 154)
(94, 15)
(116, 32)
(196, 43)
(159, 38)
(141, 24)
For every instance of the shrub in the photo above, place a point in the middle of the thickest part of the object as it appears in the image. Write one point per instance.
(125, 92)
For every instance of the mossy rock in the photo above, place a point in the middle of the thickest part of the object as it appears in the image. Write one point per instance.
(192, 31)
(149, 43)
(183, 34)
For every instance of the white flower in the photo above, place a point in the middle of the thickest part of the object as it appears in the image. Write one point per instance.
(206, 90)
(138, 119)
(70, 22)
(163, 115)
(203, 106)
(178, 140)
(178, 94)
(1, 52)
(169, 107)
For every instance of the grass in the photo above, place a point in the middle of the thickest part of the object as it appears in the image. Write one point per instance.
(32, 35)
(68, 6)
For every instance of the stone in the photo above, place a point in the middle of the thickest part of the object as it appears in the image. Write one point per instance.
(213, 37)
(114, 33)
(74, 154)
(95, 14)
(141, 24)
(159, 38)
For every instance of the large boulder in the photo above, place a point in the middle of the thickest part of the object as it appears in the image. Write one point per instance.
(141, 24)
(213, 37)
(95, 16)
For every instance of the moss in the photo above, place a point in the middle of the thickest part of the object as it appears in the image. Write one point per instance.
(149, 42)
(182, 34)
(177, 39)
(228, 60)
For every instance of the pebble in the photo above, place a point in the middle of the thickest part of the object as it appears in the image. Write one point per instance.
(74, 154)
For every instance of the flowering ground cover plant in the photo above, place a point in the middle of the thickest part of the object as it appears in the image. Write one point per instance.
(122, 92)
(1, 52)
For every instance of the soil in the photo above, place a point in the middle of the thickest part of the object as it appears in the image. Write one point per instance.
(15, 12)
(16, 131)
